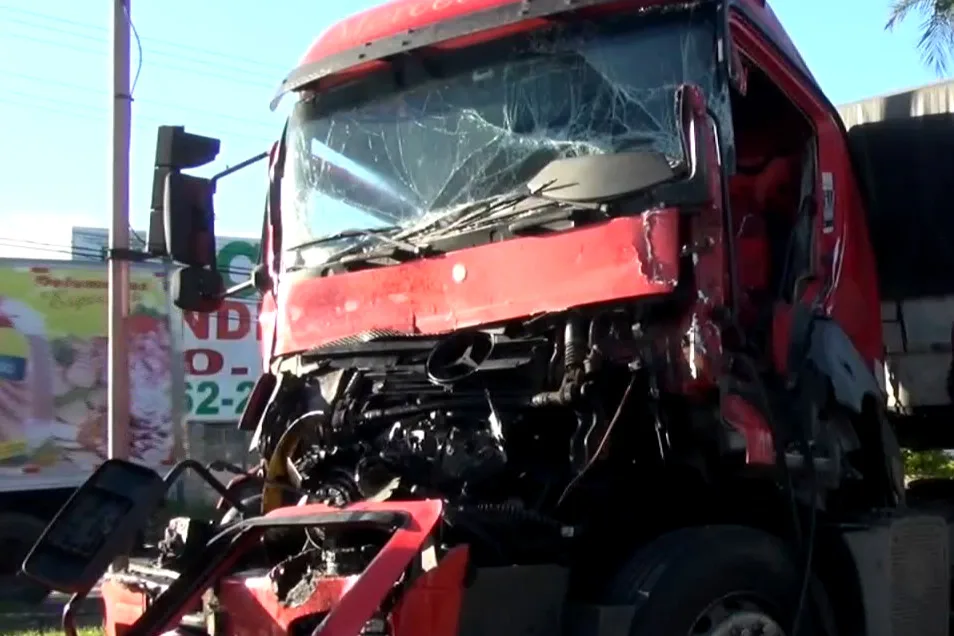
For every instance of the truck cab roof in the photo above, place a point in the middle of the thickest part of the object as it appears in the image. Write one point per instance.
(400, 26)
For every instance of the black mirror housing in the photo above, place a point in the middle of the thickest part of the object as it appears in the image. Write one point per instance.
(180, 220)
(178, 150)
(189, 219)
(98, 523)
(197, 289)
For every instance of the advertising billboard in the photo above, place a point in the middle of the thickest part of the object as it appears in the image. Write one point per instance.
(221, 350)
(222, 360)
(53, 368)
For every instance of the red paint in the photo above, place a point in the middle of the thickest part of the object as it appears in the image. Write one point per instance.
(122, 606)
(199, 324)
(404, 16)
(144, 324)
(232, 322)
(430, 605)
(706, 237)
(845, 258)
(741, 415)
(503, 281)
(390, 19)
(266, 320)
(203, 361)
(252, 608)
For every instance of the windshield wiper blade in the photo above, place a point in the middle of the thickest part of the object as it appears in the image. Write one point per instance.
(462, 215)
(377, 234)
(545, 215)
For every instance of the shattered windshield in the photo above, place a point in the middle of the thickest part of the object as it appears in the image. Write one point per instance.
(393, 152)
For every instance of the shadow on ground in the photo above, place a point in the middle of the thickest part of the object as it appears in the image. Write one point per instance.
(47, 616)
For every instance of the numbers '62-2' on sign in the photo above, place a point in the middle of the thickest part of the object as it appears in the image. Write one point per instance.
(206, 399)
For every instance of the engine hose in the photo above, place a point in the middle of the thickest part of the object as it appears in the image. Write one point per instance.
(574, 344)
(276, 467)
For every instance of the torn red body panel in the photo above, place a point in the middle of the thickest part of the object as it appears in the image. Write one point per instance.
(342, 606)
(749, 422)
(620, 259)
(430, 605)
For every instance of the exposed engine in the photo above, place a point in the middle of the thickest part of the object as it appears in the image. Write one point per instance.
(511, 417)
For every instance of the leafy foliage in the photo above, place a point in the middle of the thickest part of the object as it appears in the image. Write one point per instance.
(937, 29)
(933, 463)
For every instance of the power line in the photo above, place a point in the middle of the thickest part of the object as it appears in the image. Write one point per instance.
(45, 247)
(239, 75)
(92, 253)
(91, 262)
(178, 45)
(32, 101)
(132, 27)
(101, 92)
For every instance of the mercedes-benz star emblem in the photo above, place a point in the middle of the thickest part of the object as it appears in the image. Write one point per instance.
(459, 356)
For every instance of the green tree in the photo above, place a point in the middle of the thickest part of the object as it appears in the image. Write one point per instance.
(934, 463)
(937, 29)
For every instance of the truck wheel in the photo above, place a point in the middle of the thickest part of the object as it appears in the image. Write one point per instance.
(18, 533)
(715, 581)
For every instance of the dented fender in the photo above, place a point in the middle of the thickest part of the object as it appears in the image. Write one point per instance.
(834, 355)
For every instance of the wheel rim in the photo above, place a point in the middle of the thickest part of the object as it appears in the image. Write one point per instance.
(736, 616)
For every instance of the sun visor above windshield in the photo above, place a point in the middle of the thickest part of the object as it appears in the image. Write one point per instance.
(338, 49)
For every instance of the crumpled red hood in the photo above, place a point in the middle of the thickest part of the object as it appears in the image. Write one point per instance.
(622, 258)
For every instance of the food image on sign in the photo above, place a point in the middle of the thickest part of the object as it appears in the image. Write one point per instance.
(80, 386)
(25, 380)
(53, 368)
(221, 351)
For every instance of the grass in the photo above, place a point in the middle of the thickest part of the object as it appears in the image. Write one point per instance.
(81, 631)
(42, 624)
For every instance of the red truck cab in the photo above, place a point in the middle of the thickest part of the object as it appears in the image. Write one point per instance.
(571, 322)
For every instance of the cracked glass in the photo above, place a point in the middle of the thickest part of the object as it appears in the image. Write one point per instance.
(403, 155)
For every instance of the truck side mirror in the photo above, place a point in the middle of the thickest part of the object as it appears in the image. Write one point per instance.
(197, 289)
(180, 223)
(189, 219)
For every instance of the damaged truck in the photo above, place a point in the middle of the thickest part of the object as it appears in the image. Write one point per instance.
(576, 318)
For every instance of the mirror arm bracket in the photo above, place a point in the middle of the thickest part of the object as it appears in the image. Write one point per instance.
(239, 166)
(133, 256)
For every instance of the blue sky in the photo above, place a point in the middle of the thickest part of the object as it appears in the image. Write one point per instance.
(212, 66)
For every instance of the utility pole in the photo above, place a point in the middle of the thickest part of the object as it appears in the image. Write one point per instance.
(118, 426)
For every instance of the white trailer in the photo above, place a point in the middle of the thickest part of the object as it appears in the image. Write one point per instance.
(915, 255)
(53, 391)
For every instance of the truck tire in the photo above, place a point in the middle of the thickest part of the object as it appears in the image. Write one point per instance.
(715, 581)
(18, 533)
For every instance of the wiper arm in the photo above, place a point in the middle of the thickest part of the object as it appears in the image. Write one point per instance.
(462, 215)
(542, 216)
(379, 234)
